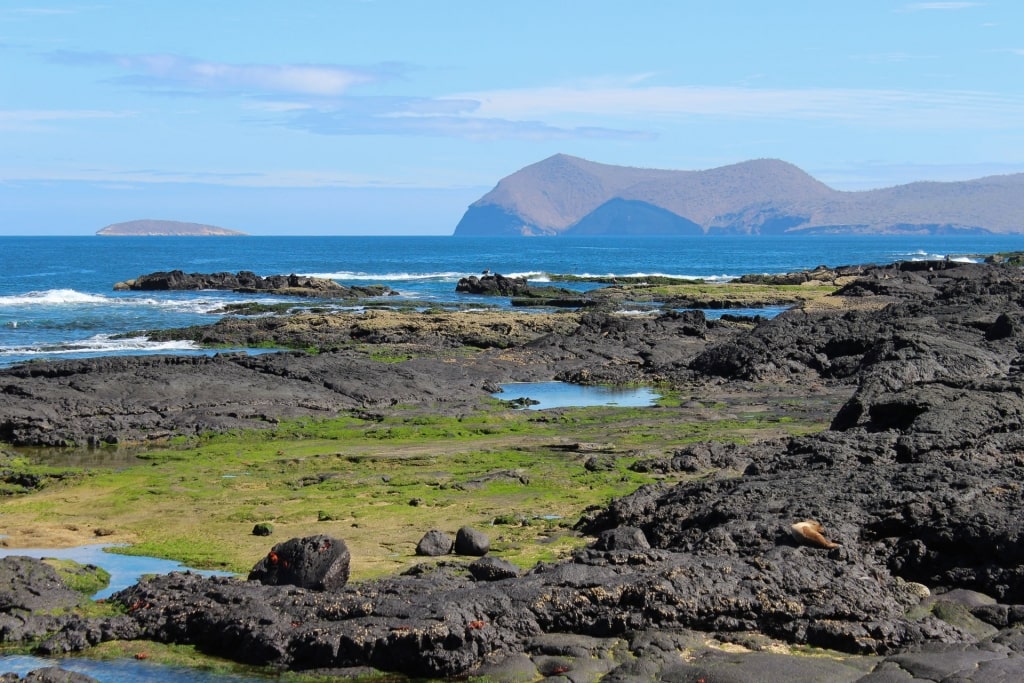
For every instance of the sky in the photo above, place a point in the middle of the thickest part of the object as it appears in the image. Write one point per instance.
(390, 117)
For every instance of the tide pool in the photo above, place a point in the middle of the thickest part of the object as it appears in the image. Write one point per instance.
(125, 570)
(566, 395)
(122, 670)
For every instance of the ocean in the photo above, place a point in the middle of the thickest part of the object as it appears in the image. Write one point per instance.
(57, 298)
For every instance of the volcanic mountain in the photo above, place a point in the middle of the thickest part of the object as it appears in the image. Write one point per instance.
(565, 195)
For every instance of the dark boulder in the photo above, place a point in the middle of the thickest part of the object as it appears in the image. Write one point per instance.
(469, 541)
(622, 538)
(435, 543)
(493, 569)
(493, 285)
(262, 529)
(316, 562)
(515, 287)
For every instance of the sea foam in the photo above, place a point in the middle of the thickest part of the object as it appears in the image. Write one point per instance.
(52, 297)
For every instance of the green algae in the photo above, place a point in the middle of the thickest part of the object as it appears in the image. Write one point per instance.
(380, 481)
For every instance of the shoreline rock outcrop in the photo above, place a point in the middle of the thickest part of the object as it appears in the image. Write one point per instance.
(247, 282)
(917, 481)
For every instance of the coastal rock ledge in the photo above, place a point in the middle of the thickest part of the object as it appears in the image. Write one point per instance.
(247, 282)
(916, 483)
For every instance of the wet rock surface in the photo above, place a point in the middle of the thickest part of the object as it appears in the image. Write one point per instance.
(317, 562)
(31, 593)
(247, 281)
(138, 399)
(514, 287)
(917, 483)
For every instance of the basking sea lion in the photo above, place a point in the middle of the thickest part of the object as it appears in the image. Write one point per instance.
(810, 532)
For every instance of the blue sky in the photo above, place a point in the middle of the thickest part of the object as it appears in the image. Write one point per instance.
(392, 116)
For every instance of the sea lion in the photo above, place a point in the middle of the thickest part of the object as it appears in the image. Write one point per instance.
(811, 532)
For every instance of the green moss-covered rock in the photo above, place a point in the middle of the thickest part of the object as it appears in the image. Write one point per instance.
(87, 579)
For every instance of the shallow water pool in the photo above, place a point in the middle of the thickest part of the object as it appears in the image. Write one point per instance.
(567, 395)
(122, 670)
(125, 570)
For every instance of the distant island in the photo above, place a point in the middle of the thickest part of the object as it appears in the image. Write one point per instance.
(155, 228)
(565, 195)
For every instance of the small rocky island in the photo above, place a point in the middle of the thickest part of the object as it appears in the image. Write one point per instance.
(161, 228)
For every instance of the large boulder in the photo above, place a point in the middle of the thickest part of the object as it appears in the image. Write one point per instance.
(434, 544)
(317, 562)
(493, 285)
(492, 569)
(470, 541)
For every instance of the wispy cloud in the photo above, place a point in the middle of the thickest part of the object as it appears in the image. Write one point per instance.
(871, 175)
(37, 119)
(453, 117)
(343, 122)
(636, 112)
(133, 178)
(877, 107)
(925, 6)
(891, 57)
(36, 11)
(164, 71)
(325, 99)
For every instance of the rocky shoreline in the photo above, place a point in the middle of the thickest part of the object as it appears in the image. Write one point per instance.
(917, 481)
(248, 282)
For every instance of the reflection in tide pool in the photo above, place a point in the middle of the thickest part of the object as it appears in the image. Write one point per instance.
(566, 395)
(125, 570)
(765, 312)
(122, 671)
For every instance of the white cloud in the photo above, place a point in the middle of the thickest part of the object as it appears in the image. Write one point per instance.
(320, 81)
(880, 107)
(165, 71)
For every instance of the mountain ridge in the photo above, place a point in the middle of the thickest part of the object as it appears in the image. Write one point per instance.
(557, 195)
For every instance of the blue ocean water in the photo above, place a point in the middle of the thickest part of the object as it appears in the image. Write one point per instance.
(57, 298)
